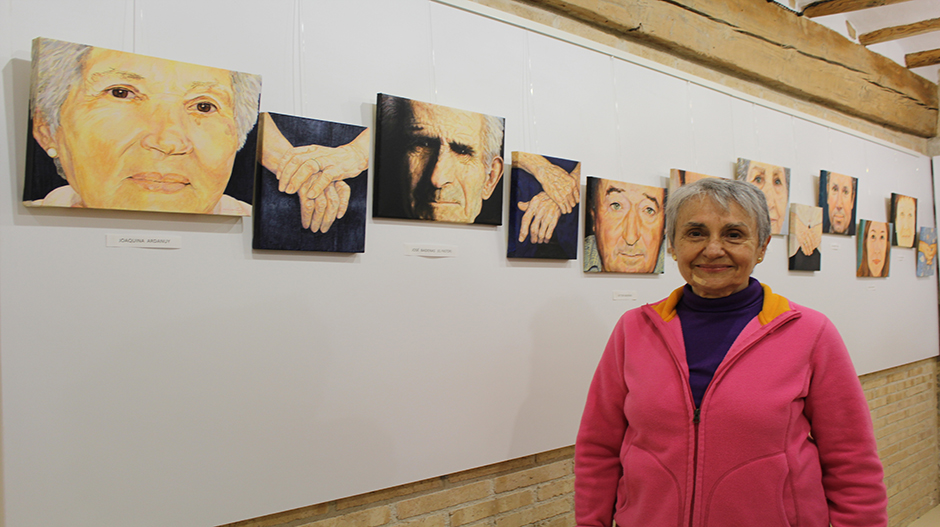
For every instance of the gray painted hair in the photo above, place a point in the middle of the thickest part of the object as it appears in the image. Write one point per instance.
(397, 110)
(58, 65)
(724, 192)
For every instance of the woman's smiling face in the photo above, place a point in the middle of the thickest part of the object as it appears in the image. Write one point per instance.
(716, 249)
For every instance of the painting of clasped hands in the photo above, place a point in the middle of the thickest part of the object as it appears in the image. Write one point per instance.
(312, 185)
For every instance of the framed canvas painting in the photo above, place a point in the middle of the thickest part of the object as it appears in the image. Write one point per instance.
(437, 163)
(774, 182)
(805, 237)
(312, 183)
(927, 251)
(838, 196)
(904, 219)
(544, 201)
(679, 178)
(116, 130)
(873, 251)
(624, 227)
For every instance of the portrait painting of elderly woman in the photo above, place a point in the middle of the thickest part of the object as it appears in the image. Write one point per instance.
(774, 182)
(117, 130)
(311, 185)
(874, 248)
(904, 218)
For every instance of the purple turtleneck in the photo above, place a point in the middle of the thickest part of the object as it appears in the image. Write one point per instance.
(709, 328)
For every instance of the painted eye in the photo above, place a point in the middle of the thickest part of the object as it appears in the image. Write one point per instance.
(205, 107)
(121, 93)
(616, 205)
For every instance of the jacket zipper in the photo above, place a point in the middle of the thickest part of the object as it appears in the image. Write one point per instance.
(696, 419)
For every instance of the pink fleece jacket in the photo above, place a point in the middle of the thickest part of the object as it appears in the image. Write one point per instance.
(783, 437)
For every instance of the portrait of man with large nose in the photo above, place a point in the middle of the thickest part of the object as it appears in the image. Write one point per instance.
(437, 163)
(624, 227)
(838, 195)
(117, 130)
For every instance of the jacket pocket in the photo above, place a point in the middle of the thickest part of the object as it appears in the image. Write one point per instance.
(751, 494)
(648, 493)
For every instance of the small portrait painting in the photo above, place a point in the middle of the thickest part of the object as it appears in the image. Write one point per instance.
(312, 185)
(838, 195)
(544, 200)
(116, 130)
(927, 251)
(679, 178)
(904, 218)
(437, 163)
(624, 227)
(874, 248)
(774, 182)
(805, 237)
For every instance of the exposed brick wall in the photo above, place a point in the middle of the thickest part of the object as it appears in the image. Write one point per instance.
(904, 402)
(538, 490)
(534, 490)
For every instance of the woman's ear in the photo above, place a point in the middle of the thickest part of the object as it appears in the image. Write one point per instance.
(43, 134)
(493, 177)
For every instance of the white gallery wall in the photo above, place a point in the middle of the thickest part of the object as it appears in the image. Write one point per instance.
(213, 383)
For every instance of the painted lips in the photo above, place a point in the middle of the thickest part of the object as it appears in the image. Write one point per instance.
(157, 182)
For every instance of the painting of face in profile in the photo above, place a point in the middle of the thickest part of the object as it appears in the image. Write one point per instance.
(838, 195)
(874, 248)
(927, 251)
(774, 182)
(544, 198)
(311, 185)
(117, 130)
(437, 163)
(805, 237)
(624, 227)
(904, 218)
(680, 178)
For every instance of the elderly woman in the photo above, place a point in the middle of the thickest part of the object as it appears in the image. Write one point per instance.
(725, 404)
(133, 132)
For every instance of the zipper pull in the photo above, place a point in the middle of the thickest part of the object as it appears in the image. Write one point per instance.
(697, 417)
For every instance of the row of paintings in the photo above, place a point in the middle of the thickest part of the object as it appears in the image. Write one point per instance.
(117, 130)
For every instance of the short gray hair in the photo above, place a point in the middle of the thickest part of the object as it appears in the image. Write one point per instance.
(57, 67)
(395, 111)
(724, 192)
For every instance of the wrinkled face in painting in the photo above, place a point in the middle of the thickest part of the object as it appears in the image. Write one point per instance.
(449, 175)
(628, 226)
(905, 220)
(772, 180)
(146, 134)
(840, 192)
(876, 244)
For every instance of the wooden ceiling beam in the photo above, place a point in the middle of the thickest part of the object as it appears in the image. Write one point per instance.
(835, 7)
(771, 46)
(898, 32)
(931, 57)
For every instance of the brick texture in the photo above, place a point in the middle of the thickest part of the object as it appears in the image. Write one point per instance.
(538, 490)
(904, 409)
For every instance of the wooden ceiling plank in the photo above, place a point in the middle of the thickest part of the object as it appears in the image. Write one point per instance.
(762, 43)
(835, 7)
(898, 32)
(931, 57)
